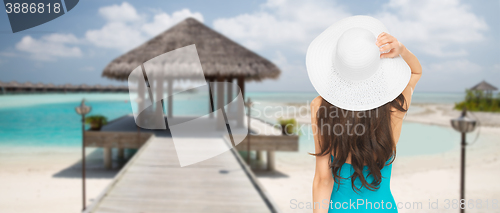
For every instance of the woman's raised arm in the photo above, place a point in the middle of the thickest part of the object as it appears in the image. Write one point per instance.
(387, 42)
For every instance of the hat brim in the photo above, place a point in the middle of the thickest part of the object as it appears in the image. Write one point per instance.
(386, 84)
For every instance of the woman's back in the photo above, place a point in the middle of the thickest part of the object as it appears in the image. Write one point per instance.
(345, 199)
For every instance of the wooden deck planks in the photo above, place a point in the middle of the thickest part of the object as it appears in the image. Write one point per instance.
(154, 182)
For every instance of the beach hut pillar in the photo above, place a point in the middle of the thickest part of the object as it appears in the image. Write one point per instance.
(229, 90)
(270, 160)
(121, 153)
(107, 157)
(241, 108)
(258, 154)
(221, 123)
(159, 81)
(170, 91)
(210, 97)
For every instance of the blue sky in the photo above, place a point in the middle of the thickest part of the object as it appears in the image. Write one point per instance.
(456, 41)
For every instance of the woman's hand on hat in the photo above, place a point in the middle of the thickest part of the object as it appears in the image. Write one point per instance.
(389, 46)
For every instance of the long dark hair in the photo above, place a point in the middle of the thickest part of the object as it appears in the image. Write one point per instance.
(367, 135)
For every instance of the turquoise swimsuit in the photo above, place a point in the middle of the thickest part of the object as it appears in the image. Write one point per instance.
(344, 199)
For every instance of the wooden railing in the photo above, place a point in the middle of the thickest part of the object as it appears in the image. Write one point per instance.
(128, 140)
(119, 140)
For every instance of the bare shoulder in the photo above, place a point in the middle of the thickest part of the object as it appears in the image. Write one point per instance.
(316, 102)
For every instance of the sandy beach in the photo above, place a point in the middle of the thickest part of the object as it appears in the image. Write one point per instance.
(48, 179)
(416, 180)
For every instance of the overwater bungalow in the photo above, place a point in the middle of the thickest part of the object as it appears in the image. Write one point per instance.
(27, 87)
(40, 87)
(13, 86)
(68, 88)
(98, 88)
(84, 88)
(50, 87)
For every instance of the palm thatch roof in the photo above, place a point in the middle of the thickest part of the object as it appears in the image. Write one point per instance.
(484, 86)
(13, 84)
(51, 86)
(27, 85)
(68, 86)
(219, 56)
(84, 87)
(40, 85)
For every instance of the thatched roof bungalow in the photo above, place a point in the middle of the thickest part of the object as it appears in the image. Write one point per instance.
(51, 87)
(219, 55)
(97, 88)
(68, 88)
(221, 58)
(13, 86)
(27, 86)
(40, 87)
(484, 86)
(84, 88)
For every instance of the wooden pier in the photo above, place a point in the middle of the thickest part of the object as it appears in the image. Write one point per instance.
(154, 181)
(122, 133)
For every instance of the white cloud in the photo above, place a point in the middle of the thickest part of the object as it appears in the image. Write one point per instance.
(116, 35)
(163, 21)
(289, 23)
(437, 28)
(125, 28)
(49, 47)
(455, 67)
(119, 13)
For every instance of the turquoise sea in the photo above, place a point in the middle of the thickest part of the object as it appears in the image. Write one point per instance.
(50, 120)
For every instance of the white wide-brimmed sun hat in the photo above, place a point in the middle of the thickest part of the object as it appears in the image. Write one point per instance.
(345, 67)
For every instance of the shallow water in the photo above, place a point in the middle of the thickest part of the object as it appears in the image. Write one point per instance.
(48, 120)
(416, 139)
